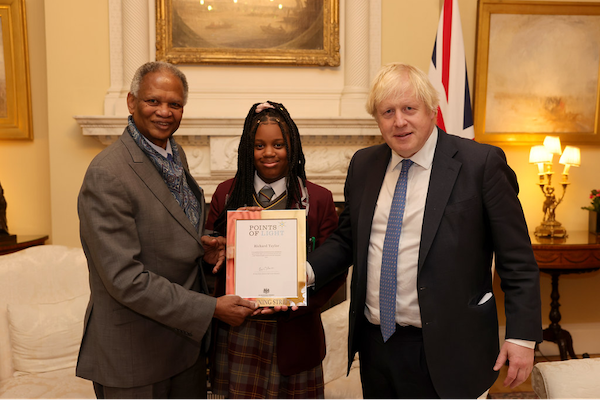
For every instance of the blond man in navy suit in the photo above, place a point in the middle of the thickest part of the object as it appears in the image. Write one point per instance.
(141, 221)
(461, 209)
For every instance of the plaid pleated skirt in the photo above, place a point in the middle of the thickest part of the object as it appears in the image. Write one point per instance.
(245, 366)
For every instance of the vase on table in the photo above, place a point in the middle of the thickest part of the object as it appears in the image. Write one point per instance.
(594, 222)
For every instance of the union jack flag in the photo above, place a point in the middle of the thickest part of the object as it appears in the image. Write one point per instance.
(448, 74)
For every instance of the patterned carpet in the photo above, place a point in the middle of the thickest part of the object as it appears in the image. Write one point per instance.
(513, 395)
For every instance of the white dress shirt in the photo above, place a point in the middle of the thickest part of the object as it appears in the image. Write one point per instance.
(407, 302)
(160, 150)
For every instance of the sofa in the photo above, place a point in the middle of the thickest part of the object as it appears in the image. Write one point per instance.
(335, 364)
(44, 291)
(570, 379)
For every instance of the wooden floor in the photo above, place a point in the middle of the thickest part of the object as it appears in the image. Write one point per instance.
(525, 386)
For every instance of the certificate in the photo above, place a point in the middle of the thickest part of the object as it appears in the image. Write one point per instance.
(266, 256)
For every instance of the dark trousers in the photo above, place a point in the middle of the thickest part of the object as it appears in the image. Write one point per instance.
(396, 369)
(189, 384)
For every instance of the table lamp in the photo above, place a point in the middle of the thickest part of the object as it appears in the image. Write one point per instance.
(542, 155)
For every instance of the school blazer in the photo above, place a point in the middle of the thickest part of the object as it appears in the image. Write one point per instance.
(471, 212)
(147, 315)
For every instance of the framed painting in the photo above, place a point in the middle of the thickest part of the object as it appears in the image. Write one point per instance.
(15, 95)
(537, 72)
(286, 32)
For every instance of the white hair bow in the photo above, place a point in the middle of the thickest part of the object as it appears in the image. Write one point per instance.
(263, 106)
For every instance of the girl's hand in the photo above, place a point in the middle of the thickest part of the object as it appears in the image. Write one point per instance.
(252, 208)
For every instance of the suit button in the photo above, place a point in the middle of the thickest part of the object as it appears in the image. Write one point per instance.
(422, 288)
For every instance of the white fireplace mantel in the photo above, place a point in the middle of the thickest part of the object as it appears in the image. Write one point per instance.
(211, 145)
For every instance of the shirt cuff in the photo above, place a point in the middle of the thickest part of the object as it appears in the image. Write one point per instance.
(530, 344)
(310, 275)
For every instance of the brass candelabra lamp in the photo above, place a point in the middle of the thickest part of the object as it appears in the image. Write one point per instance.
(542, 155)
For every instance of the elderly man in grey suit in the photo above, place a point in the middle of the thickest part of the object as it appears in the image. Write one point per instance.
(141, 218)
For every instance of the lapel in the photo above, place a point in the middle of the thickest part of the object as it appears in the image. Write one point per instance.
(198, 191)
(376, 166)
(444, 173)
(146, 171)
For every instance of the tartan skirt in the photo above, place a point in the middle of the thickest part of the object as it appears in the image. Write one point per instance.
(244, 366)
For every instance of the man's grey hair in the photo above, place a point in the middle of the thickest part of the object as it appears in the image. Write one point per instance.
(157, 66)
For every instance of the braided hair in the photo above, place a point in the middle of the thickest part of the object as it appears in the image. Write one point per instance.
(242, 193)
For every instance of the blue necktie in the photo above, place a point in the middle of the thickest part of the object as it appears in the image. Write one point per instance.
(389, 261)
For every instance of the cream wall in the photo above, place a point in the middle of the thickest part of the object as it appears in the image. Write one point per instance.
(78, 77)
(68, 47)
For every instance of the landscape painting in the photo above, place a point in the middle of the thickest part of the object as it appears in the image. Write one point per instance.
(3, 111)
(15, 93)
(543, 73)
(248, 31)
(537, 72)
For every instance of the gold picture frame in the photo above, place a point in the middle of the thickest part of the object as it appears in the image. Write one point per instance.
(15, 93)
(285, 32)
(537, 72)
(266, 257)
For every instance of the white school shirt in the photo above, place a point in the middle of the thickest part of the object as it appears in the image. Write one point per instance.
(278, 187)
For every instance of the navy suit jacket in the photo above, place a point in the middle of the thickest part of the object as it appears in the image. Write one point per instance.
(471, 212)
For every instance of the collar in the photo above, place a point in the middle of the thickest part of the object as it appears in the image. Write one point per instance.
(423, 157)
(278, 186)
(160, 150)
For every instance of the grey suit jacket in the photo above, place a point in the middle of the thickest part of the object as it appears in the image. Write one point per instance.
(147, 315)
(471, 212)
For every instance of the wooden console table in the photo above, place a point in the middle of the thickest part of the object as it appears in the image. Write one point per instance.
(576, 254)
(23, 242)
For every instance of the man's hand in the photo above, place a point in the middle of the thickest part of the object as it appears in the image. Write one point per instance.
(233, 310)
(214, 246)
(520, 363)
(214, 250)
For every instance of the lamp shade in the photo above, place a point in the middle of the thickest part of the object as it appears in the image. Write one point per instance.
(571, 156)
(539, 154)
(552, 143)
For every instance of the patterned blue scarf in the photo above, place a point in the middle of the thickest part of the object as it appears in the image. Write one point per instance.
(172, 173)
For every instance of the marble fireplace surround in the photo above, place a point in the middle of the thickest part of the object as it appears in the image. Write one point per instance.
(338, 125)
